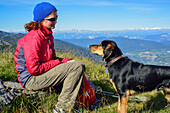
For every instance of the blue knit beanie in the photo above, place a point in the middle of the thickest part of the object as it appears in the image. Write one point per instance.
(42, 10)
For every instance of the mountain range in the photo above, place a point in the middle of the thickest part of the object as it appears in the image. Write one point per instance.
(125, 44)
(152, 48)
(145, 37)
(81, 34)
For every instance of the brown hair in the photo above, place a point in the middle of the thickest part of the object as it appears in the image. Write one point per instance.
(33, 25)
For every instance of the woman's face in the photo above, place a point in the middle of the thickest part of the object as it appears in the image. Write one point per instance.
(50, 21)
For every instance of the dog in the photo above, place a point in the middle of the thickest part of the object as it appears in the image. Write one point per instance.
(129, 77)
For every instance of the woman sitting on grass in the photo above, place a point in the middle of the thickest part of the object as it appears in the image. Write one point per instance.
(37, 65)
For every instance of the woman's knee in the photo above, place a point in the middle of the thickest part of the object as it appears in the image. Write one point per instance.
(79, 66)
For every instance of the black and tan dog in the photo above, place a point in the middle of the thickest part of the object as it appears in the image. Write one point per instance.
(128, 76)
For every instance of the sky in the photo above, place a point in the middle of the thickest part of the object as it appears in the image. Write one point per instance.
(96, 15)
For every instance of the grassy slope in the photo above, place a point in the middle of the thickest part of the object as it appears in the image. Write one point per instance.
(95, 71)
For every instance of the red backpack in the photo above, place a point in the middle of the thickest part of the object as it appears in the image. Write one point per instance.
(86, 96)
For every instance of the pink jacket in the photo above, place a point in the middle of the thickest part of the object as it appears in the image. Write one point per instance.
(35, 54)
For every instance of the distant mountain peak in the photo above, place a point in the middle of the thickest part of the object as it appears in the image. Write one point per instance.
(154, 28)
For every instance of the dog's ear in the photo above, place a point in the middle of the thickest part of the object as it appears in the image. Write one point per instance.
(117, 52)
(113, 43)
(108, 51)
(110, 47)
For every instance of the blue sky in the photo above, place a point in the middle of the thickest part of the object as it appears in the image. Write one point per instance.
(90, 14)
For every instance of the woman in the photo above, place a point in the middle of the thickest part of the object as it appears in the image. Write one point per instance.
(37, 65)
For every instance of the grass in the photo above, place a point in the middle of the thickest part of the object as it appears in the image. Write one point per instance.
(95, 71)
(7, 68)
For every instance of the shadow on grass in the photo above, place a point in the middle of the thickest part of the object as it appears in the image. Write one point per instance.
(157, 102)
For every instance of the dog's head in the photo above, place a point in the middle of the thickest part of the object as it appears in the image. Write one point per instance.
(107, 49)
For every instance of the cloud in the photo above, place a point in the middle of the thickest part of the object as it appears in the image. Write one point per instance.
(63, 2)
(14, 2)
(141, 8)
(88, 2)
(22, 2)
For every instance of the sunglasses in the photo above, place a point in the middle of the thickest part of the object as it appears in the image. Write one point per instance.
(52, 19)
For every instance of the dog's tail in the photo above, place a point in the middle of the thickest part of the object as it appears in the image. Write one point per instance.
(164, 84)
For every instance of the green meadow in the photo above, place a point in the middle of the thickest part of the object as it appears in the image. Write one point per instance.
(95, 71)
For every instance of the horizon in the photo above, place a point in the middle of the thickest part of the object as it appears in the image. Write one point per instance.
(77, 30)
(92, 15)
(82, 30)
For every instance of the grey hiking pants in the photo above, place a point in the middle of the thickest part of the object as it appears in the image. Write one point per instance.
(70, 74)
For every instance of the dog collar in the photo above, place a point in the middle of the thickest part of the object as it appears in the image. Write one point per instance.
(112, 61)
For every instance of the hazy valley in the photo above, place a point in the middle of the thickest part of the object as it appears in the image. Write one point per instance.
(146, 46)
